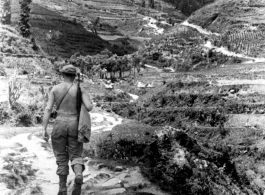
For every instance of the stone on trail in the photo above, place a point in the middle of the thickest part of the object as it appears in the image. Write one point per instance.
(122, 176)
(114, 182)
(23, 149)
(101, 166)
(102, 177)
(119, 168)
(111, 191)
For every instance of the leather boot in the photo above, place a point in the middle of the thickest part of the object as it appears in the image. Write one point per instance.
(62, 184)
(77, 189)
(78, 169)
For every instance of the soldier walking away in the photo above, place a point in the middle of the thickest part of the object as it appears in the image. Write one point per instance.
(64, 136)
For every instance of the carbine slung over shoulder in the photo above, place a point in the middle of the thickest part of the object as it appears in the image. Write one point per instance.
(79, 96)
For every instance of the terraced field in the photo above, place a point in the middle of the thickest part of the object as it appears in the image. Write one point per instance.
(63, 28)
(222, 107)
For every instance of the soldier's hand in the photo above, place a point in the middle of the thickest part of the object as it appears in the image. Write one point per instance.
(46, 136)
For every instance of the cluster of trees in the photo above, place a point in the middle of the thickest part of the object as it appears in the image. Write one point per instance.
(24, 25)
(105, 64)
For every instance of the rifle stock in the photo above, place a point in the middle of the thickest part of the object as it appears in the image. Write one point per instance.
(79, 96)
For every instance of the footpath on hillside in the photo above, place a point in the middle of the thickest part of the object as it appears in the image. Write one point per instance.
(27, 165)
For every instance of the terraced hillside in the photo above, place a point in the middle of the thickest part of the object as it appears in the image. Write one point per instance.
(57, 35)
(240, 23)
(223, 110)
(63, 28)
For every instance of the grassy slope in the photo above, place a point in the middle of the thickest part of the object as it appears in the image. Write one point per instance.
(72, 36)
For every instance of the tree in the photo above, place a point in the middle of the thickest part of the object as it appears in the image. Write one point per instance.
(159, 6)
(143, 3)
(136, 63)
(151, 4)
(6, 12)
(24, 18)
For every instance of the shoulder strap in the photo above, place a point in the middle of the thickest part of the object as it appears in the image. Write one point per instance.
(63, 97)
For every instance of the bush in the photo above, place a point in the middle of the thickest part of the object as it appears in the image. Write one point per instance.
(2, 72)
(36, 189)
(122, 149)
(130, 134)
(4, 114)
(24, 119)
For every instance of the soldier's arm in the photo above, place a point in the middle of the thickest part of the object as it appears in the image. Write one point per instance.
(86, 100)
(48, 110)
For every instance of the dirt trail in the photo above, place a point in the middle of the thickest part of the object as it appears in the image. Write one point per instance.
(29, 150)
(28, 161)
(221, 49)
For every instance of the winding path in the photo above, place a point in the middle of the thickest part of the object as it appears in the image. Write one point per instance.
(222, 50)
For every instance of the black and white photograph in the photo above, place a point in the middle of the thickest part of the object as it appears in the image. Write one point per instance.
(132, 97)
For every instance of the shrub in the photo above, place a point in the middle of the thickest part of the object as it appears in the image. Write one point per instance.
(2, 72)
(24, 119)
(36, 189)
(14, 90)
(122, 149)
(4, 114)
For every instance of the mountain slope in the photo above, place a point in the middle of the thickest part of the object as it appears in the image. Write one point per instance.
(224, 15)
(57, 35)
(240, 23)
